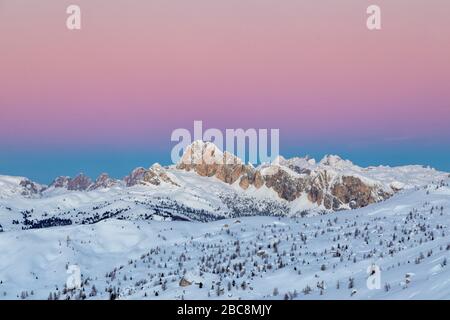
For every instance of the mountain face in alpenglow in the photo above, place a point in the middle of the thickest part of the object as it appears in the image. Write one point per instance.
(332, 183)
(83, 183)
(208, 184)
(155, 175)
(208, 161)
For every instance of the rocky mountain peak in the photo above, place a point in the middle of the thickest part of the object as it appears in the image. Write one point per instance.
(330, 184)
(135, 176)
(103, 181)
(208, 161)
(80, 183)
(30, 188)
(60, 182)
(206, 153)
(335, 162)
(155, 175)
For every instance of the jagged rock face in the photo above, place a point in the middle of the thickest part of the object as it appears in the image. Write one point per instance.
(79, 183)
(324, 184)
(30, 188)
(102, 182)
(298, 165)
(315, 195)
(347, 191)
(285, 185)
(244, 183)
(135, 177)
(251, 177)
(208, 161)
(230, 173)
(201, 153)
(258, 181)
(60, 182)
(317, 189)
(155, 175)
(83, 183)
(353, 190)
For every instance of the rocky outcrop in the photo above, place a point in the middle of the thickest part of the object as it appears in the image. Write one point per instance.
(285, 185)
(184, 282)
(155, 175)
(353, 191)
(84, 183)
(208, 161)
(252, 177)
(30, 188)
(335, 191)
(60, 182)
(135, 177)
(325, 184)
(79, 183)
(103, 181)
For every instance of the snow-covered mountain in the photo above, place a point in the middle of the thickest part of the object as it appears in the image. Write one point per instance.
(214, 227)
(83, 183)
(316, 257)
(331, 184)
(207, 184)
(11, 187)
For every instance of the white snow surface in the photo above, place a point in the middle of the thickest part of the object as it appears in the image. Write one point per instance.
(407, 236)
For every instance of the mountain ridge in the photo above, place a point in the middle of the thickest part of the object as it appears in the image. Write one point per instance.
(293, 185)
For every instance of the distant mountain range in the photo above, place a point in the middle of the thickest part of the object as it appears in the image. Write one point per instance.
(208, 184)
(140, 237)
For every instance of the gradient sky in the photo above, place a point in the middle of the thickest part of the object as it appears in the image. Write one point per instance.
(107, 97)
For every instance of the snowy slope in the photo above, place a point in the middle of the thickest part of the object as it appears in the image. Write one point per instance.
(407, 236)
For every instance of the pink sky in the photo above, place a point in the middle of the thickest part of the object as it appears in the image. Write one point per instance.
(139, 69)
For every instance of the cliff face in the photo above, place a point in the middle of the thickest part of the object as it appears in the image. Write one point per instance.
(79, 183)
(83, 183)
(60, 182)
(208, 161)
(332, 183)
(155, 175)
(102, 182)
(30, 188)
